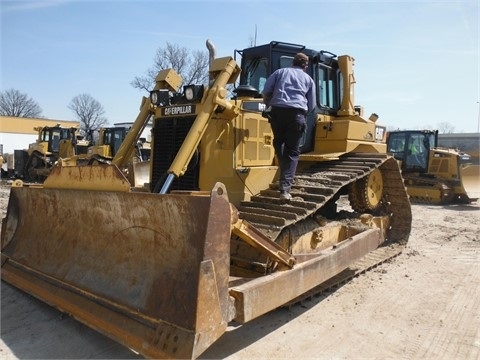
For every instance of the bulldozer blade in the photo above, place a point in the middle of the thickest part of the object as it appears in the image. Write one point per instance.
(470, 175)
(148, 270)
(141, 173)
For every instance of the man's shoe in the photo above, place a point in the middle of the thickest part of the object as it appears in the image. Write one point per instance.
(285, 196)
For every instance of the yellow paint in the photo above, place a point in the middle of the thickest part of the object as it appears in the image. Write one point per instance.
(18, 125)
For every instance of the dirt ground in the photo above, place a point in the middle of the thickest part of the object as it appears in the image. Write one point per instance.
(424, 304)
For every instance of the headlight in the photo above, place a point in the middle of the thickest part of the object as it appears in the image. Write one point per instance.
(193, 92)
(160, 97)
(154, 97)
(189, 93)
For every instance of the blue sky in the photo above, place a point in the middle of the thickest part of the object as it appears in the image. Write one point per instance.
(416, 62)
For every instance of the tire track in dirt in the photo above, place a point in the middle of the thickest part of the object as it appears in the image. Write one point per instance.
(455, 326)
(460, 323)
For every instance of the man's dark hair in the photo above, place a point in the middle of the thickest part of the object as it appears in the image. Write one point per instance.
(300, 60)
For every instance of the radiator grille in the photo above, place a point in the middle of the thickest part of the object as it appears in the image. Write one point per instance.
(168, 136)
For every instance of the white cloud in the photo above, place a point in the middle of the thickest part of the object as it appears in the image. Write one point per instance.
(26, 5)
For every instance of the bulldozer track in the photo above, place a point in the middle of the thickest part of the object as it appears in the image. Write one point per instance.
(315, 186)
(445, 189)
(314, 191)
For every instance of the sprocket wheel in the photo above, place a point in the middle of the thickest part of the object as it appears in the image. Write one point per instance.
(366, 193)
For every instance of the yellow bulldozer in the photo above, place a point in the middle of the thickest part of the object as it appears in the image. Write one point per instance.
(434, 174)
(104, 145)
(53, 143)
(164, 268)
(108, 142)
(107, 146)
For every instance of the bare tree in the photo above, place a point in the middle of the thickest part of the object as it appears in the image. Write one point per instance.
(14, 103)
(445, 128)
(88, 111)
(192, 66)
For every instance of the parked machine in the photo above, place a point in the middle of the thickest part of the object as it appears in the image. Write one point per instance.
(165, 267)
(53, 143)
(108, 142)
(105, 145)
(433, 174)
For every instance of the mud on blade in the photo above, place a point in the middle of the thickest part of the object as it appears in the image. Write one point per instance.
(118, 263)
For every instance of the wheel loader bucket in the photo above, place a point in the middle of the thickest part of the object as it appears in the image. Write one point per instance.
(471, 181)
(148, 270)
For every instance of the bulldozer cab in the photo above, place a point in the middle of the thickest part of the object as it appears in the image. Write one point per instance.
(259, 62)
(53, 135)
(113, 137)
(336, 121)
(412, 148)
(106, 141)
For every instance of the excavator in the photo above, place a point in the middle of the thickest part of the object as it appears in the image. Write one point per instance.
(165, 267)
(433, 174)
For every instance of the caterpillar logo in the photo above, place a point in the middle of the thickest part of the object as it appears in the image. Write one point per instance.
(178, 110)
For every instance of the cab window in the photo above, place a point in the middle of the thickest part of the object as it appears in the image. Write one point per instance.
(256, 73)
(327, 89)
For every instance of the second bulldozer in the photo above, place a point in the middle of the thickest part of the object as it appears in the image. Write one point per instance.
(53, 144)
(107, 145)
(108, 142)
(434, 174)
(164, 268)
